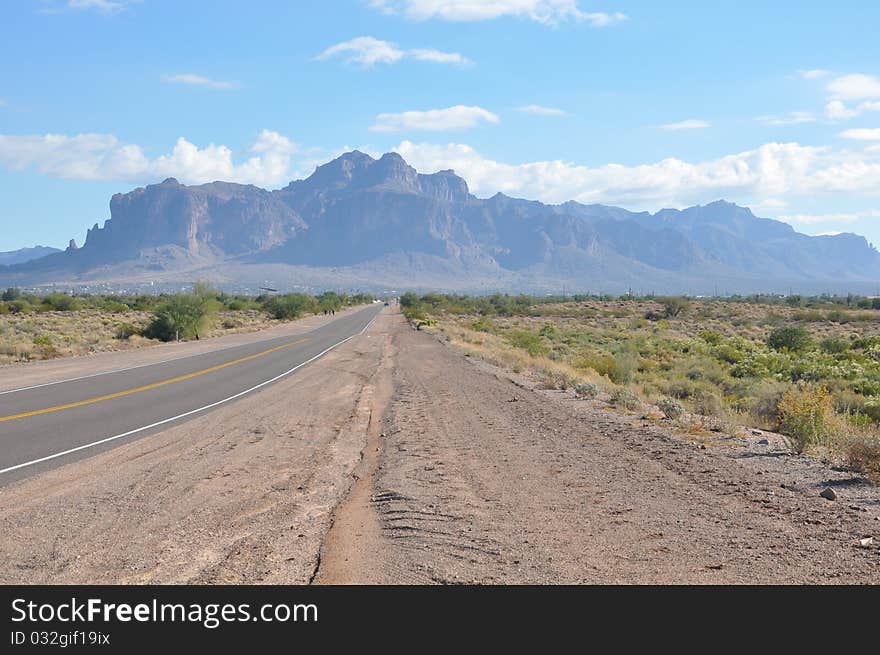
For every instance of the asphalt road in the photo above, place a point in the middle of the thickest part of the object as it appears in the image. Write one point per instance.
(47, 426)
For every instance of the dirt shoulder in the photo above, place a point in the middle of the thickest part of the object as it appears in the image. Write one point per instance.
(483, 478)
(243, 494)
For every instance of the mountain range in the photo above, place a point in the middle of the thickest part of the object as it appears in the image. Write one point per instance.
(22, 255)
(360, 222)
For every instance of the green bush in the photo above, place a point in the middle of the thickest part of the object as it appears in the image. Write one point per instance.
(789, 338)
(184, 316)
(61, 302)
(712, 337)
(126, 330)
(290, 306)
(834, 345)
(528, 341)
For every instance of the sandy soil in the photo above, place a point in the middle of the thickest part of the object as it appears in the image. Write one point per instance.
(397, 459)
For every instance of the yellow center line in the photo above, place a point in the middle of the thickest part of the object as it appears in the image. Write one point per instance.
(148, 387)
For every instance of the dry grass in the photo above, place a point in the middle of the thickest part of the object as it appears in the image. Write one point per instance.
(49, 335)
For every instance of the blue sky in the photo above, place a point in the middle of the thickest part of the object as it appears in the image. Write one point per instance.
(636, 103)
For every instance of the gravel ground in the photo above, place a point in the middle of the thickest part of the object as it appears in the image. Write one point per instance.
(482, 478)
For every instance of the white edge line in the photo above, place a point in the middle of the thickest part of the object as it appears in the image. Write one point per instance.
(185, 414)
(162, 361)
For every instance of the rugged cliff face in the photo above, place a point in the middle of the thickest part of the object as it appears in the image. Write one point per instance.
(379, 219)
(212, 219)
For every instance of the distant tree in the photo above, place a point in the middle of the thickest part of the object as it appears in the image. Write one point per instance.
(791, 338)
(290, 306)
(409, 299)
(11, 294)
(184, 316)
(674, 306)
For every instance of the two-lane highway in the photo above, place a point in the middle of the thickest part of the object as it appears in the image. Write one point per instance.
(51, 424)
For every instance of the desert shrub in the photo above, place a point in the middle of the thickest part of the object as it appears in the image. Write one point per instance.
(125, 331)
(528, 341)
(674, 306)
(806, 415)
(764, 404)
(43, 340)
(625, 398)
(4, 308)
(554, 379)
(409, 299)
(790, 338)
(712, 337)
(671, 409)
(862, 454)
(586, 390)
(548, 330)
(624, 369)
(289, 306)
(708, 403)
(834, 345)
(761, 364)
(184, 316)
(602, 364)
(114, 306)
(20, 307)
(236, 305)
(61, 302)
(481, 325)
(728, 353)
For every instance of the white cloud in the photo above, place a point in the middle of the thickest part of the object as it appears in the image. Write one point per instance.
(459, 117)
(104, 6)
(844, 92)
(543, 11)
(104, 157)
(813, 73)
(191, 79)
(837, 110)
(772, 170)
(862, 134)
(689, 124)
(542, 111)
(369, 51)
(438, 56)
(854, 86)
(792, 118)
